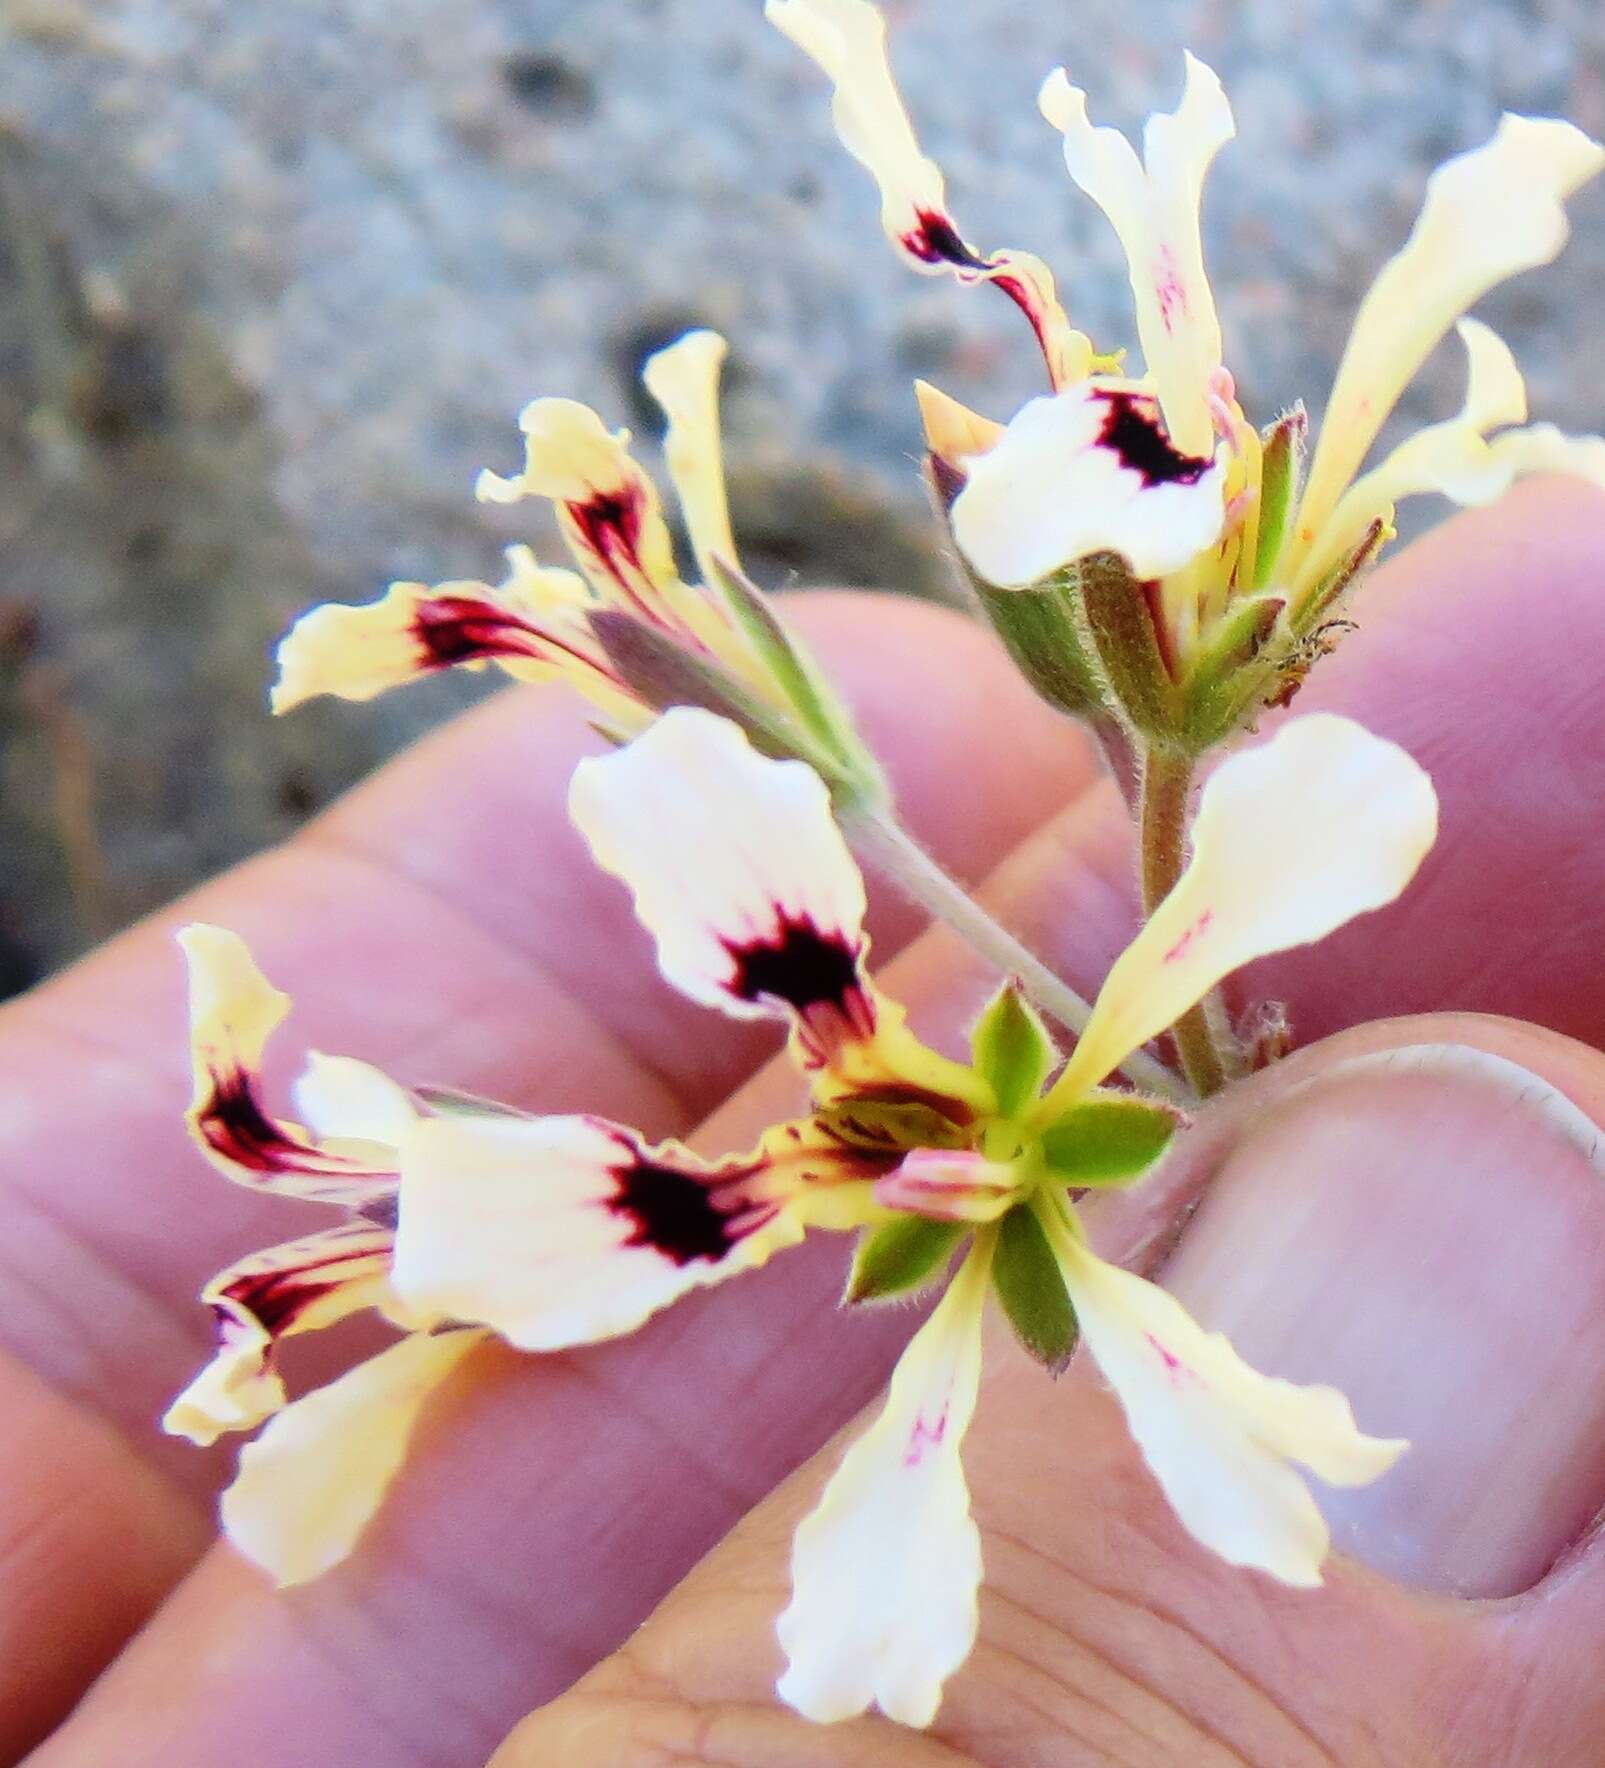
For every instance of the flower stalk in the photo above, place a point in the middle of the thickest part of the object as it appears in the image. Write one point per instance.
(1167, 778)
(880, 839)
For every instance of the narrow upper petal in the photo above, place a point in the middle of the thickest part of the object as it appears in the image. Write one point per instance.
(534, 626)
(847, 38)
(1293, 838)
(311, 1482)
(273, 1295)
(563, 1230)
(1216, 1434)
(1154, 204)
(1458, 458)
(234, 1010)
(1091, 469)
(684, 379)
(1488, 214)
(886, 1568)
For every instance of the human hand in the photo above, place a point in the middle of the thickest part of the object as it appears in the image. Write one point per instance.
(525, 1540)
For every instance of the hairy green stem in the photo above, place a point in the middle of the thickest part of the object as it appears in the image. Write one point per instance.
(1162, 831)
(880, 839)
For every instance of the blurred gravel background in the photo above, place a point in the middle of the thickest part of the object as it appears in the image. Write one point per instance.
(276, 276)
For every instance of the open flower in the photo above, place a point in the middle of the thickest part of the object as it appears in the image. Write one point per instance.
(1238, 557)
(627, 630)
(462, 1217)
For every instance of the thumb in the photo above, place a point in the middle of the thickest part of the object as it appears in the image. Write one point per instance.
(1414, 1212)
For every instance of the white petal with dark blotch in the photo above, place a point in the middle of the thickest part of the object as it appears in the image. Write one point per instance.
(1087, 470)
(735, 862)
(563, 1230)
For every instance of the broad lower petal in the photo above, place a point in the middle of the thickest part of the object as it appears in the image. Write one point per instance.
(563, 1230)
(1293, 838)
(234, 1010)
(1154, 204)
(270, 1296)
(312, 1481)
(684, 380)
(1217, 1435)
(1488, 214)
(887, 1567)
(1088, 470)
(847, 38)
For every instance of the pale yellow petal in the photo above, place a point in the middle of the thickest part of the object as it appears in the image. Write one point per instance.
(1218, 1436)
(234, 1010)
(1154, 205)
(1488, 214)
(299, 1287)
(684, 379)
(887, 1567)
(312, 1481)
(1293, 838)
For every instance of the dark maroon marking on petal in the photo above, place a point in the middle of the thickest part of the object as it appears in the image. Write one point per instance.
(956, 1111)
(1025, 298)
(676, 1212)
(935, 240)
(275, 1300)
(1132, 428)
(234, 1125)
(947, 480)
(460, 629)
(798, 965)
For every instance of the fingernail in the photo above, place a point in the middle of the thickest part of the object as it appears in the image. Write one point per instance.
(1426, 1231)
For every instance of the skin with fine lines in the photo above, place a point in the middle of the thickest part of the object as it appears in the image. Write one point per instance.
(309, 1673)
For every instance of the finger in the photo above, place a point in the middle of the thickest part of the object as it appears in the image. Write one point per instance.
(446, 923)
(1423, 1228)
(704, 1409)
(443, 921)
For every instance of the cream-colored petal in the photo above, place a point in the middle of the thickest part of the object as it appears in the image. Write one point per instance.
(350, 1103)
(287, 1290)
(234, 1010)
(886, 1568)
(1154, 205)
(736, 865)
(312, 1481)
(563, 1230)
(1458, 458)
(1218, 1436)
(684, 379)
(418, 629)
(1488, 214)
(847, 38)
(1087, 470)
(1293, 838)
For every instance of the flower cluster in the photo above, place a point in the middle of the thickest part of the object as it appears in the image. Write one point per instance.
(1158, 568)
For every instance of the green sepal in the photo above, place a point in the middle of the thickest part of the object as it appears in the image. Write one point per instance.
(1108, 1139)
(1124, 626)
(1236, 670)
(900, 1257)
(1280, 480)
(1322, 602)
(662, 672)
(1042, 630)
(1011, 1048)
(794, 672)
(1030, 1288)
(879, 1127)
